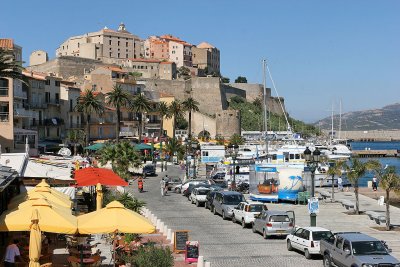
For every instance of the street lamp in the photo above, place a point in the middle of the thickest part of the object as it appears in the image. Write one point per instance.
(312, 160)
(185, 142)
(233, 150)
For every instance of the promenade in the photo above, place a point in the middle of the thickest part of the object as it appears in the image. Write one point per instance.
(226, 244)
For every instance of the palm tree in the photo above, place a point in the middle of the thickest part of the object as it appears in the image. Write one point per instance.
(355, 171)
(89, 103)
(163, 111)
(337, 170)
(389, 181)
(77, 137)
(122, 156)
(236, 139)
(140, 104)
(190, 105)
(10, 68)
(118, 98)
(174, 147)
(176, 110)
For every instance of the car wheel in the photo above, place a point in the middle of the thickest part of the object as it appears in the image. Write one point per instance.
(223, 215)
(289, 245)
(197, 204)
(253, 228)
(233, 218)
(327, 261)
(243, 224)
(265, 234)
(307, 254)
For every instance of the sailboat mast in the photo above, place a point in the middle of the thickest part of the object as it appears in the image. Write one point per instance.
(330, 141)
(264, 62)
(340, 118)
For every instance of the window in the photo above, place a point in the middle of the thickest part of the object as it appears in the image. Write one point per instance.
(126, 43)
(118, 42)
(3, 87)
(57, 83)
(57, 98)
(299, 232)
(346, 245)
(126, 55)
(110, 54)
(47, 132)
(70, 106)
(47, 97)
(339, 242)
(109, 42)
(306, 235)
(78, 45)
(118, 55)
(205, 153)
(47, 82)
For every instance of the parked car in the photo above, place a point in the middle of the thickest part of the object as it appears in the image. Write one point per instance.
(173, 181)
(306, 239)
(245, 212)
(179, 188)
(209, 199)
(225, 201)
(149, 170)
(274, 223)
(198, 195)
(356, 249)
(189, 190)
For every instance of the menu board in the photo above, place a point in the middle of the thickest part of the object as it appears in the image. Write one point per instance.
(180, 239)
(192, 251)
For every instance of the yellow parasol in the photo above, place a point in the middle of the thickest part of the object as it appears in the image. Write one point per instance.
(157, 145)
(35, 240)
(51, 219)
(31, 199)
(44, 184)
(114, 217)
(99, 196)
(46, 192)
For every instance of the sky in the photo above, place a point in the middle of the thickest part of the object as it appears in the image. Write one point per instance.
(319, 52)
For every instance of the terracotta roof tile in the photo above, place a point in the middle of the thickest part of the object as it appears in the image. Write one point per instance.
(7, 43)
(116, 69)
(165, 95)
(166, 62)
(144, 60)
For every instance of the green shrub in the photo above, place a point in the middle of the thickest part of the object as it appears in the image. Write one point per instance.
(154, 256)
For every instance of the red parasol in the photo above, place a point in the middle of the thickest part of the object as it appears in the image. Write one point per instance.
(93, 176)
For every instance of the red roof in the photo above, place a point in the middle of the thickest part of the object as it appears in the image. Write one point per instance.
(7, 43)
(144, 60)
(93, 176)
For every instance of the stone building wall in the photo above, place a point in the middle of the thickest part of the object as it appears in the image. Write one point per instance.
(228, 123)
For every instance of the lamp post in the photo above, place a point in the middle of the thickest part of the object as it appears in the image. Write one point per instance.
(185, 142)
(233, 150)
(194, 148)
(312, 160)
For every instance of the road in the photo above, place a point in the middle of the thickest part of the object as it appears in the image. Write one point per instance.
(222, 243)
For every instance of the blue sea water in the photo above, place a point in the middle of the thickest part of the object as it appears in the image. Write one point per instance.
(384, 161)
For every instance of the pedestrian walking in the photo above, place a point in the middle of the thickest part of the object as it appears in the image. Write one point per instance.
(340, 183)
(374, 183)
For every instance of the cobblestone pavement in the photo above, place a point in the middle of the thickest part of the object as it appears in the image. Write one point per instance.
(221, 242)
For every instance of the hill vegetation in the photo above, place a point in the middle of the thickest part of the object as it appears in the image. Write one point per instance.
(252, 118)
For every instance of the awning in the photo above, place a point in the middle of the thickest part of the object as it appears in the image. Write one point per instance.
(95, 147)
(142, 146)
(93, 176)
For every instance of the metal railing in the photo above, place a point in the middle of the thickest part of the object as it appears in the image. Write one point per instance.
(4, 116)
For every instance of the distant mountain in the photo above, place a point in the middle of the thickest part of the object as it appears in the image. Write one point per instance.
(386, 118)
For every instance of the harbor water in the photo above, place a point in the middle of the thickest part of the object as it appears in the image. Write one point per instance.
(391, 161)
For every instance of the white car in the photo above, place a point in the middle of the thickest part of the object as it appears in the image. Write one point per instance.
(245, 212)
(306, 239)
(198, 195)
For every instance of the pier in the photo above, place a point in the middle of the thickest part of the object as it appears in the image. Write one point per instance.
(376, 153)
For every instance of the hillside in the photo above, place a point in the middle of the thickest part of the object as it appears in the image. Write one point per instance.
(386, 118)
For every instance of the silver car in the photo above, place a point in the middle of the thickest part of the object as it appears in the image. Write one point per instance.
(274, 223)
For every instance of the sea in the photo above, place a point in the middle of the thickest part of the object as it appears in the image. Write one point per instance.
(390, 161)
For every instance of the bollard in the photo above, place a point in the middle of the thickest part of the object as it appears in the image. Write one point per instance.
(165, 230)
(169, 234)
(200, 261)
(207, 264)
(158, 224)
(161, 227)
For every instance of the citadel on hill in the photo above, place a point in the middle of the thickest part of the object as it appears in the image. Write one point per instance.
(163, 68)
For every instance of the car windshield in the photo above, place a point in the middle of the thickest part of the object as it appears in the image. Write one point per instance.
(255, 208)
(369, 248)
(202, 192)
(279, 218)
(318, 235)
(233, 199)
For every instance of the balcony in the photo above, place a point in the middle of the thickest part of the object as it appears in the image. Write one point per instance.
(53, 122)
(77, 126)
(4, 117)
(3, 91)
(24, 113)
(38, 105)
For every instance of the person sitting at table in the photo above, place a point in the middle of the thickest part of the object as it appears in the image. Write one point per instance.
(119, 241)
